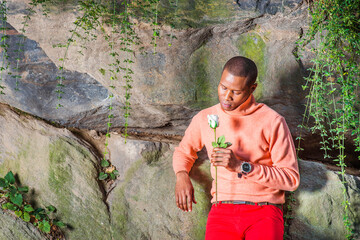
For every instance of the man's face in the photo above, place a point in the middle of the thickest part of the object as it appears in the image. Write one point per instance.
(233, 91)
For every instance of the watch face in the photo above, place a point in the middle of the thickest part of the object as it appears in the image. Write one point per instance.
(246, 167)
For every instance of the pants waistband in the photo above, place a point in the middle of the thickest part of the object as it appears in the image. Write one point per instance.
(249, 203)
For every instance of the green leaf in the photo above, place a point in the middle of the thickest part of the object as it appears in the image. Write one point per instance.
(102, 176)
(40, 211)
(23, 189)
(59, 224)
(3, 183)
(221, 140)
(214, 144)
(112, 176)
(13, 190)
(11, 206)
(105, 163)
(28, 208)
(16, 199)
(18, 213)
(10, 177)
(45, 226)
(223, 145)
(116, 172)
(51, 208)
(102, 71)
(26, 217)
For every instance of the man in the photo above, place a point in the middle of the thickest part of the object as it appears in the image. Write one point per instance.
(253, 173)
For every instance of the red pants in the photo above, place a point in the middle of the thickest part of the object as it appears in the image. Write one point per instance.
(238, 221)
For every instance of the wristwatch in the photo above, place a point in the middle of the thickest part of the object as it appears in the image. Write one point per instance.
(245, 168)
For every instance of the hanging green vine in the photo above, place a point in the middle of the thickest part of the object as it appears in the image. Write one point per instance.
(128, 40)
(4, 45)
(174, 4)
(155, 23)
(114, 69)
(20, 45)
(83, 31)
(333, 99)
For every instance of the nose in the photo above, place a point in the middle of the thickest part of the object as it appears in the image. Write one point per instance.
(228, 95)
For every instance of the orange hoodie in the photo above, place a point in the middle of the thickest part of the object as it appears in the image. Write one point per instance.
(259, 135)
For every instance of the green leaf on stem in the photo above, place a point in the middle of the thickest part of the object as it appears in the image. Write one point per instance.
(10, 177)
(105, 163)
(3, 183)
(221, 140)
(23, 189)
(28, 208)
(18, 213)
(59, 224)
(26, 217)
(17, 199)
(102, 176)
(51, 208)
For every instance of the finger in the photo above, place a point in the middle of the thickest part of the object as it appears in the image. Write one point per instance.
(184, 203)
(193, 197)
(221, 149)
(179, 202)
(189, 203)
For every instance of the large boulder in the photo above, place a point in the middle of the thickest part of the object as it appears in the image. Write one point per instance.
(62, 170)
(142, 202)
(59, 170)
(318, 209)
(170, 86)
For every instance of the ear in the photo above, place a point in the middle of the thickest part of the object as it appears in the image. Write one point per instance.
(253, 87)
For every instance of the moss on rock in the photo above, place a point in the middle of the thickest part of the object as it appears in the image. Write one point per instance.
(59, 171)
(197, 13)
(251, 45)
(202, 78)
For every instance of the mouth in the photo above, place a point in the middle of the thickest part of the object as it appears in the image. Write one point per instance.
(226, 105)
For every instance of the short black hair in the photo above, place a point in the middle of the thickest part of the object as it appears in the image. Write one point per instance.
(242, 67)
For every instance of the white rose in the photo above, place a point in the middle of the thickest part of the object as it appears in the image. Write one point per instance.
(213, 121)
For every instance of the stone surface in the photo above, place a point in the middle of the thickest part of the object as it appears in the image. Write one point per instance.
(62, 170)
(59, 170)
(169, 87)
(318, 212)
(13, 228)
(143, 204)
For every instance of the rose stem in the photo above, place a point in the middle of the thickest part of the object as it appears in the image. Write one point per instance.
(216, 192)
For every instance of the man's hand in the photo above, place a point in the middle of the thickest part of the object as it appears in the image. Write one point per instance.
(184, 191)
(225, 157)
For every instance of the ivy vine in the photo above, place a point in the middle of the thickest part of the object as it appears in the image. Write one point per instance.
(94, 15)
(4, 45)
(84, 27)
(12, 198)
(333, 85)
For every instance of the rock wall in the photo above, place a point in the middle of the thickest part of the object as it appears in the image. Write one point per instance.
(62, 170)
(61, 164)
